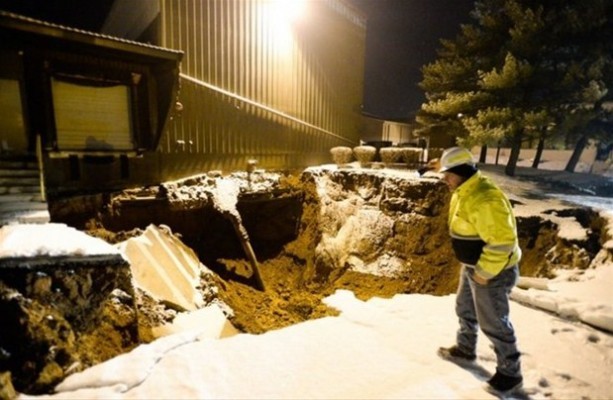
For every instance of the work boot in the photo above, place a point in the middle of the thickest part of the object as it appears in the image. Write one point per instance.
(502, 383)
(456, 353)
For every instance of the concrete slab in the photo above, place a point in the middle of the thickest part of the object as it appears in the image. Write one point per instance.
(210, 320)
(165, 267)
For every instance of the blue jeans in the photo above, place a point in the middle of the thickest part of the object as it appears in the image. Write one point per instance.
(487, 306)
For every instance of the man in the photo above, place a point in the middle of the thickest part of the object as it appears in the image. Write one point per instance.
(484, 238)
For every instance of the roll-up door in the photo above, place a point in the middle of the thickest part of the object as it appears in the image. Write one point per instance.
(92, 118)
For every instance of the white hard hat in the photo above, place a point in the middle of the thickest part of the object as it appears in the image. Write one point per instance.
(455, 156)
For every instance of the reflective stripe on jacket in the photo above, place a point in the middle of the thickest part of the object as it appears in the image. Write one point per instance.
(482, 227)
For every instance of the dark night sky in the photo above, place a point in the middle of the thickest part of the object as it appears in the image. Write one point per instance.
(82, 14)
(403, 35)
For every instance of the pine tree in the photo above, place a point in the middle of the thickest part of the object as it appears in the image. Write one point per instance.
(519, 70)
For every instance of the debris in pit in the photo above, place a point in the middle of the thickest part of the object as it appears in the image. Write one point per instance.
(225, 197)
(164, 267)
(170, 273)
(210, 321)
(222, 194)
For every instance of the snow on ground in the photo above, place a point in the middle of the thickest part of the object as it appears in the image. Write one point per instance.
(596, 202)
(382, 348)
(31, 240)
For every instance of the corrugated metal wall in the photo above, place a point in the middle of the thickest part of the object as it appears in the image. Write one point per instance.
(257, 84)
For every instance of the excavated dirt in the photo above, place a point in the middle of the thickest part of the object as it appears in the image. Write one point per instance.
(372, 232)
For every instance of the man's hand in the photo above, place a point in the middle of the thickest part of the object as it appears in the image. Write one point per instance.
(479, 279)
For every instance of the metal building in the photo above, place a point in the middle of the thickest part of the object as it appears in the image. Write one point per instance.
(273, 80)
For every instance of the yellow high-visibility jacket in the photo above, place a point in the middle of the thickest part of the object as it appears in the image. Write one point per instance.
(482, 227)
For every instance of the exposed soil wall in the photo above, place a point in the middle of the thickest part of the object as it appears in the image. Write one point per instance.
(377, 234)
(63, 315)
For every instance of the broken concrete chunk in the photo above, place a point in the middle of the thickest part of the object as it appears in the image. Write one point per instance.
(210, 321)
(165, 267)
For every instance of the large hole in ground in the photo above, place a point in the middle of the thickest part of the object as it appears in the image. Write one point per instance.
(371, 232)
(366, 232)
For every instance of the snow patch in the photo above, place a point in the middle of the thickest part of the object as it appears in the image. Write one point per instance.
(53, 240)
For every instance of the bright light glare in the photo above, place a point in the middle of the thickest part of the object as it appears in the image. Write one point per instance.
(289, 10)
(281, 16)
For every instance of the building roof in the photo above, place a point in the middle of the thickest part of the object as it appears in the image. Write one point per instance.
(29, 25)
